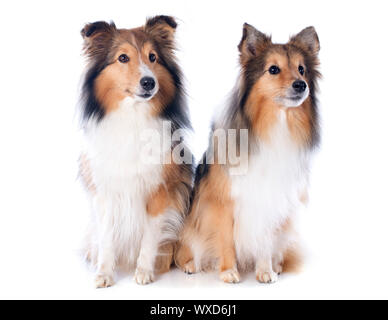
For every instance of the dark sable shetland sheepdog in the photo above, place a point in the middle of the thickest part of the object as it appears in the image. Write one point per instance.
(246, 221)
(132, 86)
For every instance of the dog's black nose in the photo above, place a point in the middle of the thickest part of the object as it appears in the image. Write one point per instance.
(147, 83)
(299, 86)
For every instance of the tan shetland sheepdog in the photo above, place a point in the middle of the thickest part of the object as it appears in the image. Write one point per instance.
(246, 221)
(133, 86)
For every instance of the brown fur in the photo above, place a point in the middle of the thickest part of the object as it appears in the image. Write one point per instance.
(255, 106)
(119, 80)
(85, 173)
(292, 261)
(165, 258)
(261, 107)
(175, 194)
(212, 206)
(158, 201)
(108, 81)
(263, 118)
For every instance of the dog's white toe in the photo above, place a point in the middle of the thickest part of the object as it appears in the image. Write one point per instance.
(266, 277)
(143, 277)
(230, 276)
(103, 280)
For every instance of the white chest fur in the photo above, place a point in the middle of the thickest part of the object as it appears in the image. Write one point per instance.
(123, 179)
(115, 148)
(269, 192)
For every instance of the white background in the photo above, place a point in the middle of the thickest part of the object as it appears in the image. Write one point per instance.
(43, 211)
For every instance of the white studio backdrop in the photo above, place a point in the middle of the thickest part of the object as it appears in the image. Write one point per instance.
(43, 210)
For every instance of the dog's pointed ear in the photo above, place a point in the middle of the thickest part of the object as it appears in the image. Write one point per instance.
(252, 42)
(161, 28)
(307, 39)
(96, 35)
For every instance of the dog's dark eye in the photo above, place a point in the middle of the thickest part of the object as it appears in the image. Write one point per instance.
(301, 70)
(152, 57)
(274, 70)
(123, 58)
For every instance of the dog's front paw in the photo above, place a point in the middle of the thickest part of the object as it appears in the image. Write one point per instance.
(278, 268)
(230, 276)
(189, 267)
(103, 280)
(266, 277)
(144, 277)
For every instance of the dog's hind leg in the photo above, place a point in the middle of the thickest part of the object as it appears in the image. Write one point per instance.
(224, 245)
(184, 259)
(165, 258)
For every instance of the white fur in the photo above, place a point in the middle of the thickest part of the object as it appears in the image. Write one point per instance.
(145, 71)
(121, 231)
(266, 196)
(292, 103)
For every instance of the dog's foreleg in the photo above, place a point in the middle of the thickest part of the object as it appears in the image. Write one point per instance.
(106, 252)
(264, 269)
(145, 270)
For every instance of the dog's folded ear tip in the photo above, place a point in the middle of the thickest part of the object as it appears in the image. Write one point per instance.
(161, 27)
(169, 20)
(90, 28)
